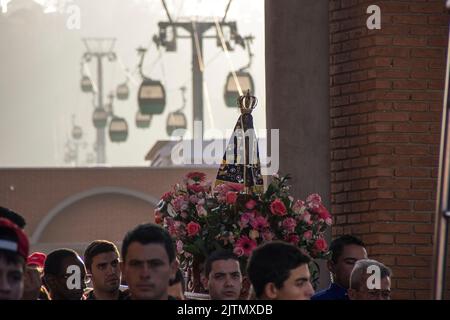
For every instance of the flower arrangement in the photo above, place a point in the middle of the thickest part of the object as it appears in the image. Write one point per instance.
(202, 219)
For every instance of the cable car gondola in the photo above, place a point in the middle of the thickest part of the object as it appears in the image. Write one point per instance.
(100, 118)
(151, 97)
(122, 91)
(86, 84)
(231, 94)
(143, 120)
(118, 130)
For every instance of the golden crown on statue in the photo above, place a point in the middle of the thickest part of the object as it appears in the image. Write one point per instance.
(247, 102)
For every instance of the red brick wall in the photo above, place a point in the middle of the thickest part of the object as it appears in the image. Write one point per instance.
(386, 89)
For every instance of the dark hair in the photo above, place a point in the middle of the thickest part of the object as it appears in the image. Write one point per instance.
(97, 247)
(216, 256)
(338, 244)
(53, 262)
(147, 234)
(273, 262)
(13, 217)
(178, 278)
(10, 256)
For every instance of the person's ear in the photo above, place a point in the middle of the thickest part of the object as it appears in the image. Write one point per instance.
(271, 291)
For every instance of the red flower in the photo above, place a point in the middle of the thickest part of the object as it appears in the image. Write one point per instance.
(250, 204)
(246, 244)
(158, 218)
(293, 238)
(196, 188)
(322, 212)
(196, 176)
(193, 228)
(278, 208)
(321, 245)
(231, 197)
(167, 196)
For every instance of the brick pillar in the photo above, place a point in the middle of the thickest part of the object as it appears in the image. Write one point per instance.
(386, 89)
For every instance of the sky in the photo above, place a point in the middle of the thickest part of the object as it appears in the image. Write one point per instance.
(40, 74)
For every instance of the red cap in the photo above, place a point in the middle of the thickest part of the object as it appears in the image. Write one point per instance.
(19, 245)
(37, 259)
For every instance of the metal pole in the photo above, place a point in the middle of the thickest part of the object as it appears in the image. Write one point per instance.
(101, 152)
(442, 201)
(197, 80)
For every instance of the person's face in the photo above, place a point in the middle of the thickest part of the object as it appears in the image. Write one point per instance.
(225, 280)
(364, 293)
(69, 285)
(105, 272)
(297, 287)
(11, 280)
(343, 267)
(176, 291)
(147, 271)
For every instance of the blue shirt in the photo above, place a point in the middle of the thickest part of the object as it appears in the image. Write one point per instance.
(334, 292)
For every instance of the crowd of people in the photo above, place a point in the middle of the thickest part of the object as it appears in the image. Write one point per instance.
(147, 269)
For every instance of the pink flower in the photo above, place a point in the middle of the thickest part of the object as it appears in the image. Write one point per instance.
(278, 208)
(194, 199)
(184, 214)
(293, 238)
(289, 224)
(196, 176)
(250, 204)
(246, 244)
(321, 245)
(267, 235)
(238, 251)
(180, 246)
(201, 211)
(298, 206)
(308, 235)
(179, 202)
(306, 216)
(246, 217)
(328, 221)
(231, 197)
(193, 228)
(259, 223)
(313, 200)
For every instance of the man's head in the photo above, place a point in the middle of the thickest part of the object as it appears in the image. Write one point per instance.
(370, 280)
(279, 271)
(148, 262)
(177, 286)
(65, 275)
(102, 264)
(14, 248)
(223, 275)
(345, 251)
